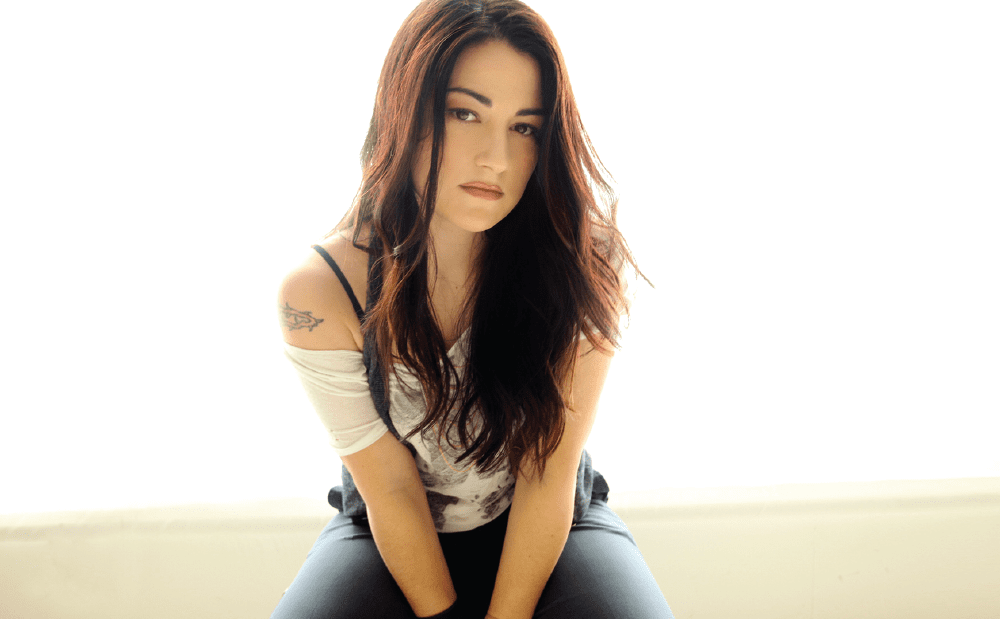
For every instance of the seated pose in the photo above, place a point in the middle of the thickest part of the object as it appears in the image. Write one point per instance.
(454, 332)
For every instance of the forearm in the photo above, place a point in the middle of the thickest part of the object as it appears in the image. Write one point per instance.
(541, 514)
(537, 530)
(407, 540)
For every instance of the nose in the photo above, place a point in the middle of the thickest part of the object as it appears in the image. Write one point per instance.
(494, 151)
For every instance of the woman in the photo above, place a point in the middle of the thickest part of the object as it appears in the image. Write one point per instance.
(460, 398)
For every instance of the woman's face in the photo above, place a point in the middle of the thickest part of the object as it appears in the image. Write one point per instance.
(493, 118)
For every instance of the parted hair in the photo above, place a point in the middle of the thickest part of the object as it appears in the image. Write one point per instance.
(549, 271)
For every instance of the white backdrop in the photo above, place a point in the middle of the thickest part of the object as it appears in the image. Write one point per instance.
(813, 188)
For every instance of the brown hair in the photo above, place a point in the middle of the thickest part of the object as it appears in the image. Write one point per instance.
(549, 271)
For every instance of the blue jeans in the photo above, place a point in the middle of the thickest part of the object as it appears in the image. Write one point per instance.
(600, 574)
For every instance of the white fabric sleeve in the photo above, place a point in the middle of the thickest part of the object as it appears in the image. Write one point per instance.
(336, 383)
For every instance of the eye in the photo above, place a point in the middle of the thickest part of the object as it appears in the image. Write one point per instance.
(526, 130)
(463, 114)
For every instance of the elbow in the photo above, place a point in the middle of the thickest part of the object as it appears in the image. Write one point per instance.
(385, 472)
(552, 502)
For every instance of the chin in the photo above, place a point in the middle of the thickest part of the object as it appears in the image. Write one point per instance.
(484, 219)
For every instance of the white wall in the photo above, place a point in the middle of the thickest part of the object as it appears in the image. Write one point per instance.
(812, 187)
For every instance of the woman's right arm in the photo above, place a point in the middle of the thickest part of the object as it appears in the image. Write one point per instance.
(401, 524)
(316, 314)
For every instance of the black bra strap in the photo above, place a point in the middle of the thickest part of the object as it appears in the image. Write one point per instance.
(343, 280)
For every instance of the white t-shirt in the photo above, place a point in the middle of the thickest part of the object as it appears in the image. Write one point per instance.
(336, 381)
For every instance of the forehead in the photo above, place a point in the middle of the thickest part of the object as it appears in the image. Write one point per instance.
(495, 69)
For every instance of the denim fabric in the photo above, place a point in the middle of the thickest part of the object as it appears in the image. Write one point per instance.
(600, 574)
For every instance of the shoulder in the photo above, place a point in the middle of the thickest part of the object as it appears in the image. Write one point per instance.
(314, 310)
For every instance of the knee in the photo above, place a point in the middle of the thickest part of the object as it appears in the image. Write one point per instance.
(613, 601)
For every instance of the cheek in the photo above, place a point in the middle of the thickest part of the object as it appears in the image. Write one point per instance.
(528, 159)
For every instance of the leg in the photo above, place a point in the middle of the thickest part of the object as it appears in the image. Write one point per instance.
(343, 578)
(601, 574)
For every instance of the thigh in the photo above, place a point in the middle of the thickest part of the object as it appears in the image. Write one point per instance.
(601, 574)
(343, 577)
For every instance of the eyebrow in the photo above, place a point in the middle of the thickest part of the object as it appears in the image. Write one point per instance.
(534, 111)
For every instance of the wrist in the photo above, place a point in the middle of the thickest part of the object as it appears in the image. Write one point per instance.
(449, 613)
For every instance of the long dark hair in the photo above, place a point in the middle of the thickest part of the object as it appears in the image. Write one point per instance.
(549, 271)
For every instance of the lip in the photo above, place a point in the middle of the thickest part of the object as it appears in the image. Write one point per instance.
(483, 190)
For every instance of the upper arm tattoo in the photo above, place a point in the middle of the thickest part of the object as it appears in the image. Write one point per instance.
(298, 319)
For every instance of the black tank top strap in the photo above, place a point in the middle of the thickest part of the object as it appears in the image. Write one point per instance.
(343, 281)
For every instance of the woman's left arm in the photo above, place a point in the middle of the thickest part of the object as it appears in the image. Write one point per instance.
(541, 513)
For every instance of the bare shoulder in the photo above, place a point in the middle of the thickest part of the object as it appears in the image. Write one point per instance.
(314, 310)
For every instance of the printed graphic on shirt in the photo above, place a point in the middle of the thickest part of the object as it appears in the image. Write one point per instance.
(442, 459)
(497, 501)
(460, 497)
(438, 502)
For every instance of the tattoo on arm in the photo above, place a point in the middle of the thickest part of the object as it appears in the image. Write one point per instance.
(298, 319)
